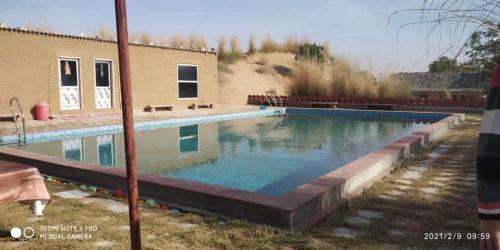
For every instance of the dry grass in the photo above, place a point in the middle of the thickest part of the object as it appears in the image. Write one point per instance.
(105, 33)
(177, 41)
(252, 47)
(145, 38)
(235, 52)
(413, 213)
(308, 78)
(342, 77)
(197, 42)
(268, 45)
(221, 48)
(391, 87)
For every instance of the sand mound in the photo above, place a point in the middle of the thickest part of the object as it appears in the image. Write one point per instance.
(257, 74)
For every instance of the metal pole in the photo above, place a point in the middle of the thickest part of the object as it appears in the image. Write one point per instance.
(128, 123)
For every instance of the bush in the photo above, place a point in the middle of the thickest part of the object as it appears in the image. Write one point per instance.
(268, 45)
(221, 48)
(308, 79)
(390, 86)
(252, 48)
(224, 68)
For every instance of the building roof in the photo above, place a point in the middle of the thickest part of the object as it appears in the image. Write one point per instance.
(430, 81)
(96, 39)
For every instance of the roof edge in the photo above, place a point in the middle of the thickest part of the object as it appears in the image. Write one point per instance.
(94, 39)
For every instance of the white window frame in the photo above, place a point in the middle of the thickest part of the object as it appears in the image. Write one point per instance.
(111, 79)
(78, 78)
(197, 83)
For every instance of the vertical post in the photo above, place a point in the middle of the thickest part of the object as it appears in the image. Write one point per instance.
(128, 123)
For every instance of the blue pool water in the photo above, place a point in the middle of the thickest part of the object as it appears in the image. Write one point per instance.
(268, 155)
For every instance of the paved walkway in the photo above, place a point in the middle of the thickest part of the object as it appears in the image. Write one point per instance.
(433, 193)
(100, 119)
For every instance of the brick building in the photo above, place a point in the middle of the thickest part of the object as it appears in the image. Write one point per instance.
(78, 74)
(456, 86)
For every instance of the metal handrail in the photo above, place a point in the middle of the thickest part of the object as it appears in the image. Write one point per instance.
(23, 141)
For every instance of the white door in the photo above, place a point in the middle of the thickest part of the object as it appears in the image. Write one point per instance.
(103, 85)
(69, 77)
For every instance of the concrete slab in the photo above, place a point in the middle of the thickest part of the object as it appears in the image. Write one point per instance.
(104, 244)
(111, 205)
(429, 190)
(442, 179)
(397, 233)
(186, 226)
(411, 175)
(419, 169)
(434, 155)
(357, 221)
(72, 194)
(345, 233)
(369, 214)
(437, 184)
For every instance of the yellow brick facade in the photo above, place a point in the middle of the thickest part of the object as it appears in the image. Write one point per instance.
(29, 69)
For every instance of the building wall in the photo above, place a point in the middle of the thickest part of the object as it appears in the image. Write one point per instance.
(29, 70)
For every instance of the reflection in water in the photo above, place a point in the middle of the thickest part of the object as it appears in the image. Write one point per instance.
(188, 139)
(260, 154)
(106, 148)
(73, 149)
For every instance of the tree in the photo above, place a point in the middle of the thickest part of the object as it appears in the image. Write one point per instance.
(443, 64)
(483, 49)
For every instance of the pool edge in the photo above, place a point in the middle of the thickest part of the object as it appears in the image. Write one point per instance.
(295, 210)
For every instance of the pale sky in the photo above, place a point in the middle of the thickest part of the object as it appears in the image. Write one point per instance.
(358, 29)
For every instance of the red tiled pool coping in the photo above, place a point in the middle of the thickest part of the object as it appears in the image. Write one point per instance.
(295, 210)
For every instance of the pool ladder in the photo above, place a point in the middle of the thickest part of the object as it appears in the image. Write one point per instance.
(276, 103)
(21, 130)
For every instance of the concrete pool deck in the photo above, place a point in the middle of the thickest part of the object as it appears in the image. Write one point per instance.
(295, 210)
(101, 119)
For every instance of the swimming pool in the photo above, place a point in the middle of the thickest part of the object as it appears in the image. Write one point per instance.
(270, 155)
(287, 170)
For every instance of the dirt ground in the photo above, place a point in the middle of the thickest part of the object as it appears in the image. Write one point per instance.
(245, 79)
(429, 196)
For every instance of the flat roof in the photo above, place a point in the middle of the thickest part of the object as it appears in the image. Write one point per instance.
(97, 39)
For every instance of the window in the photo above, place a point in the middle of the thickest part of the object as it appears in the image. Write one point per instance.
(73, 149)
(69, 74)
(187, 80)
(102, 78)
(106, 150)
(188, 139)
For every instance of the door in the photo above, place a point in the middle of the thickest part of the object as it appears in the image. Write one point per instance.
(103, 85)
(69, 76)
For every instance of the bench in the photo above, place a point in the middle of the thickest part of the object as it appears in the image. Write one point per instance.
(381, 106)
(154, 108)
(200, 106)
(322, 104)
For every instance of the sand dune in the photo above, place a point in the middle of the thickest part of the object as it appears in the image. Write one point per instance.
(245, 80)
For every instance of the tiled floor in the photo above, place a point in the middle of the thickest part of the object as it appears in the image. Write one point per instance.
(94, 120)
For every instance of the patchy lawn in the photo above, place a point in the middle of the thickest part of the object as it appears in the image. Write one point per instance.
(434, 192)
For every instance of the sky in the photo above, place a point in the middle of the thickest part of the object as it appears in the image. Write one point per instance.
(358, 29)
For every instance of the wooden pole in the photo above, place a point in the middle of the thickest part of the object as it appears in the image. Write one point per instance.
(128, 123)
